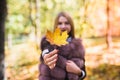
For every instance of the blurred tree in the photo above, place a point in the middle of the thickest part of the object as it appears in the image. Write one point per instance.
(108, 35)
(85, 25)
(17, 24)
(3, 14)
(34, 9)
(38, 15)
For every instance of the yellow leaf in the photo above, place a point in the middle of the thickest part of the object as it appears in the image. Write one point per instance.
(49, 36)
(57, 38)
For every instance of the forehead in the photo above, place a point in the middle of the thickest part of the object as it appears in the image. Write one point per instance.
(62, 19)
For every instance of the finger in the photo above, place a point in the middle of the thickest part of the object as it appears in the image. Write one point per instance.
(68, 64)
(48, 56)
(51, 67)
(69, 61)
(67, 67)
(51, 58)
(52, 62)
(55, 51)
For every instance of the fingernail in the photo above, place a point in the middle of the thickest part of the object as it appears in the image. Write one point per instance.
(54, 65)
(56, 55)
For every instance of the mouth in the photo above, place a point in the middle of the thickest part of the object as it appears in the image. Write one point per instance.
(63, 30)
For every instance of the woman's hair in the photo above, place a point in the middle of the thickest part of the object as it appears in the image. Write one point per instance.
(64, 14)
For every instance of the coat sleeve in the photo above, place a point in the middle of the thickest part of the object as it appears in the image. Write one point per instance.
(44, 44)
(81, 64)
(79, 56)
(44, 71)
(61, 62)
(83, 73)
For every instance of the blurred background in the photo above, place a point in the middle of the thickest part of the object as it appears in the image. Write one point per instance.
(97, 22)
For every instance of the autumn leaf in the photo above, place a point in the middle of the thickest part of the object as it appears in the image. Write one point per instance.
(56, 37)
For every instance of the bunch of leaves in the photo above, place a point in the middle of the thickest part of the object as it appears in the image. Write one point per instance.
(57, 37)
(103, 72)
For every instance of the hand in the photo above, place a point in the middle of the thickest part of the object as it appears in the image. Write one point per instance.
(51, 58)
(72, 67)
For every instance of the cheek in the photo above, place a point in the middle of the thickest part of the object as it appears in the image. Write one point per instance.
(69, 29)
(58, 26)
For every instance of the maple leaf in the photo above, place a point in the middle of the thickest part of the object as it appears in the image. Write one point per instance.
(57, 37)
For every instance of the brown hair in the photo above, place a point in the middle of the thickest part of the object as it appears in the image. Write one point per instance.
(64, 14)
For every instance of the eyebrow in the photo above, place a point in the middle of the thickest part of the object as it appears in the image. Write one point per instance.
(64, 22)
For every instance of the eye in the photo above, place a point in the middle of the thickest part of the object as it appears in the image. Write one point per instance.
(67, 23)
(59, 23)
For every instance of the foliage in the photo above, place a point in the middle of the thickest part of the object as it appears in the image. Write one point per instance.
(23, 59)
(57, 37)
(90, 21)
(50, 11)
(103, 72)
(88, 15)
(22, 62)
(18, 18)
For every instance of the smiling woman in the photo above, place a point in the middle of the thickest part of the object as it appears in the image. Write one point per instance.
(66, 62)
(63, 24)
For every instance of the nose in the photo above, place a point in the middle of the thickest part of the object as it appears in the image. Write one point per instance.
(63, 26)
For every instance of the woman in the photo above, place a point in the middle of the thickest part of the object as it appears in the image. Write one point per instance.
(53, 60)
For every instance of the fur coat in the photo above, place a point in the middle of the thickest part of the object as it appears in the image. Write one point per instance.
(73, 51)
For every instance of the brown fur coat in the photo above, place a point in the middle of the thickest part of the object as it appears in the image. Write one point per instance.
(73, 51)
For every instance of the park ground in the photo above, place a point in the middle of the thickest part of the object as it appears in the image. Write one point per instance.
(22, 60)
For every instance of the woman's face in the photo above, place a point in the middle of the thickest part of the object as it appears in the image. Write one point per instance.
(63, 24)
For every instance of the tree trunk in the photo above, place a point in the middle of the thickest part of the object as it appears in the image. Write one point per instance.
(3, 13)
(35, 21)
(108, 35)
